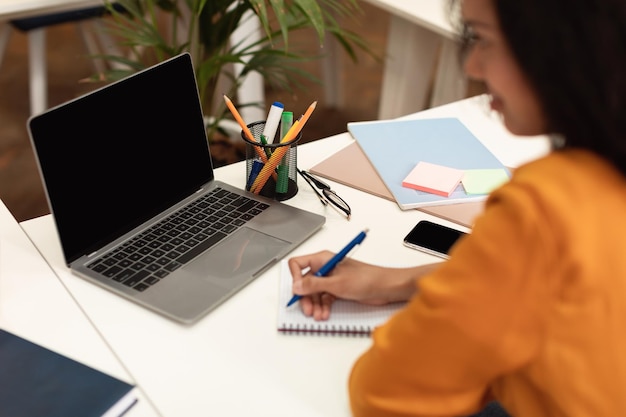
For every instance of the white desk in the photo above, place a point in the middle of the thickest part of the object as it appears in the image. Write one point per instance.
(15, 9)
(420, 40)
(35, 305)
(233, 362)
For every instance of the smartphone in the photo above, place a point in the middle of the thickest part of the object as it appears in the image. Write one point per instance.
(432, 238)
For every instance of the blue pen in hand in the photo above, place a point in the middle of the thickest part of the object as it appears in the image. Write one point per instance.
(330, 265)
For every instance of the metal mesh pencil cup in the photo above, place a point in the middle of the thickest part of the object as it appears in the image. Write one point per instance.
(282, 182)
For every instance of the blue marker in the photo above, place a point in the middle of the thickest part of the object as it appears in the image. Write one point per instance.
(257, 165)
(330, 265)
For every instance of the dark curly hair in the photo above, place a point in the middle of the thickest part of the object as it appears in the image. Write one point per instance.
(573, 52)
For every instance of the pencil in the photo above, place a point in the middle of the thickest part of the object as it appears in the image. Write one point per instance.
(278, 154)
(244, 127)
(273, 161)
(307, 114)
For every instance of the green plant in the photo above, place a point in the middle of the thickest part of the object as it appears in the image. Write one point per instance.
(153, 30)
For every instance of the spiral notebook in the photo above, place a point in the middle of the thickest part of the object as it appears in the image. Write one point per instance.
(346, 317)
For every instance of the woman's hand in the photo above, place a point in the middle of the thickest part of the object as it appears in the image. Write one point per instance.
(350, 280)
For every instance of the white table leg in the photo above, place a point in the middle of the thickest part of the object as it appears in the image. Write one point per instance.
(5, 34)
(83, 30)
(410, 59)
(252, 88)
(37, 69)
(450, 81)
(331, 73)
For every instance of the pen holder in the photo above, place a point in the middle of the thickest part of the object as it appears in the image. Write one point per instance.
(282, 182)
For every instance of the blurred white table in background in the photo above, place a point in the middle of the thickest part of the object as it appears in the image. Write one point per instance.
(421, 51)
(16, 9)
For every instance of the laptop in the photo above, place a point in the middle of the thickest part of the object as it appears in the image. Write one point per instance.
(130, 184)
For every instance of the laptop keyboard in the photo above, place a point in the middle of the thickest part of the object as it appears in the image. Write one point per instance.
(152, 255)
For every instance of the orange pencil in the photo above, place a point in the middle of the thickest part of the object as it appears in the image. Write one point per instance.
(276, 157)
(274, 160)
(305, 116)
(244, 127)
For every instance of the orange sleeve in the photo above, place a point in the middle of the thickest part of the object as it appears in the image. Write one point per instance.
(476, 317)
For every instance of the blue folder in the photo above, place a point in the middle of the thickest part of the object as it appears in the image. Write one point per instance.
(394, 147)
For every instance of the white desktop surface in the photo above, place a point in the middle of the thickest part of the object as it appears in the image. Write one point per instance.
(233, 362)
(35, 305)
(14, 9)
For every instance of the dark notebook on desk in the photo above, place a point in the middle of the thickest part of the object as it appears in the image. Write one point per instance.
(35, 382)
(130, 184)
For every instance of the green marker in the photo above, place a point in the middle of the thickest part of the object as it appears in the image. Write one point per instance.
(286, 121)
(282, 181)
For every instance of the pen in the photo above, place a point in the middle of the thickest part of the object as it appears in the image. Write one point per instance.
(330, 265)
(257, 165)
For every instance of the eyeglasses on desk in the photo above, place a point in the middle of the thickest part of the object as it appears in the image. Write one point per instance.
(327, 195)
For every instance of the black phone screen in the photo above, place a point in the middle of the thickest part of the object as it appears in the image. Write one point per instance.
(432, 237)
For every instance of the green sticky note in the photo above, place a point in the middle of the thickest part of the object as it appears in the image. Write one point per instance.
(483, 181)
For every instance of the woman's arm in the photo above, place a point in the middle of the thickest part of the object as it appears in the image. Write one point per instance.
(350, 280)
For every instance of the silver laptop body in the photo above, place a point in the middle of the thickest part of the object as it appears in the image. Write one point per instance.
(120, 164)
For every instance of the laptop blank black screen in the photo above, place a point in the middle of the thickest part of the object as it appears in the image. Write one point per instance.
(116, 157)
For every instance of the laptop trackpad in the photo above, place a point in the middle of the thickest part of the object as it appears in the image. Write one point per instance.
(241, 255)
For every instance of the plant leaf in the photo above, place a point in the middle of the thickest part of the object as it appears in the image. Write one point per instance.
(313, 12)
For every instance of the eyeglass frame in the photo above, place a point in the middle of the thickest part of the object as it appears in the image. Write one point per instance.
(328, 195)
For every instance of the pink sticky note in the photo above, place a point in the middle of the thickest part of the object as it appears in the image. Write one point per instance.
(432, 178)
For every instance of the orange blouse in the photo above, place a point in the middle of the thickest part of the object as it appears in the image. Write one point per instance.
(530, 309)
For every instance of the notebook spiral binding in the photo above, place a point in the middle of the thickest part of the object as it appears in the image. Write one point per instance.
(325, 329)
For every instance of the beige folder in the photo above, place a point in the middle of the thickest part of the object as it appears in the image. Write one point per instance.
(350, 166)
